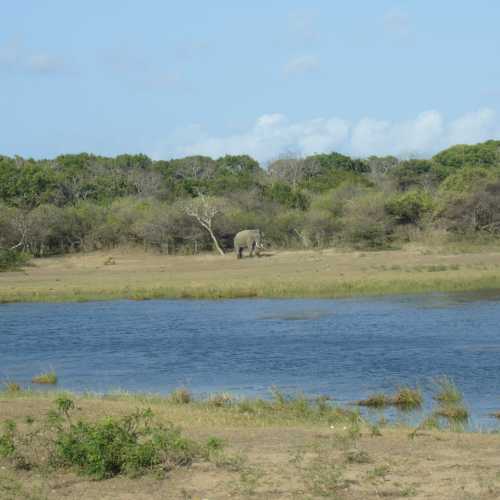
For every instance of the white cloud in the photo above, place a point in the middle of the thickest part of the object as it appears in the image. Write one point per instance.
(415, 136)
(301, 64)
(476, 126)
(274, 134)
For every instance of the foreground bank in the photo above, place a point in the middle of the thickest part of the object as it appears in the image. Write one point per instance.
(137, 275)
(283, 449)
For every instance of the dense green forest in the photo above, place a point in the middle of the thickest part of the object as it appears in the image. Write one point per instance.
(85, 202)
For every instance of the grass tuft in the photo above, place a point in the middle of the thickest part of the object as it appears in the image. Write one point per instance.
(11, 387)
(220, 400)
(408, 399)
(378, 400)
(448, 392)
(49, 378)
(454, 413)
(181, 396)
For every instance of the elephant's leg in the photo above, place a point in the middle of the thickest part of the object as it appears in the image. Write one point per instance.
(252, 249)
(239, 252)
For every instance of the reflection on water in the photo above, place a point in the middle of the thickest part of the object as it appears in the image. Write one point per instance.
(299, 315)
(346, 349)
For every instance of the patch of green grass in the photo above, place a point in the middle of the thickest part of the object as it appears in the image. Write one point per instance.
(411, 284)
(49, 378)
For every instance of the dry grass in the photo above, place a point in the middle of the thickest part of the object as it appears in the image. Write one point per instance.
(327, 273)
(270, 459)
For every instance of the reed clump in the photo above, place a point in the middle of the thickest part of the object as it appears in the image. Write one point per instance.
(451, 402)
(48, 378)
(454, 413)
(379, 400)
(448, 392)
(406, 398)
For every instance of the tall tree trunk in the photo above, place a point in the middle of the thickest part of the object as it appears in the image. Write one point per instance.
(216, 243)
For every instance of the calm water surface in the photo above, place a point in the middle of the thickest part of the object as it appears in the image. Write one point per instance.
(344, 348)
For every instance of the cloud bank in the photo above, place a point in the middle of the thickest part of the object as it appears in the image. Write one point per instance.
(273, 135)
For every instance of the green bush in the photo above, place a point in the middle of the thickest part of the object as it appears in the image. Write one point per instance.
(11, 260)
(409, 207)
(133, 444)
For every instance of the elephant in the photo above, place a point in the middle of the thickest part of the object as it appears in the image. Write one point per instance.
(250, 239)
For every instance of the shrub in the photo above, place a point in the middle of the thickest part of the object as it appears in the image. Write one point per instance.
(409, 207)
(365, 224)
(10, 260)
(132, 444)
(7, 443)
(127, 445)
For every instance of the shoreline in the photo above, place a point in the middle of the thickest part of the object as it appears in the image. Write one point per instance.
(284, 449)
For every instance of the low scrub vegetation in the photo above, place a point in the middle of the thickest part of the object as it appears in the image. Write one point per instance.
(11, 260)
(132, 445)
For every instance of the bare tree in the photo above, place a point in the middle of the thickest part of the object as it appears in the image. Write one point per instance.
(293, 170)
(204, 209)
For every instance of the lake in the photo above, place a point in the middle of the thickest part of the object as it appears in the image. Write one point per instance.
(344, 348)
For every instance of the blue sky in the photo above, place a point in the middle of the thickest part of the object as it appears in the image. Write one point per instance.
(267, 78)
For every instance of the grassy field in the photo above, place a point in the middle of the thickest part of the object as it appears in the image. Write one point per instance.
(275, 451)
(329, 273)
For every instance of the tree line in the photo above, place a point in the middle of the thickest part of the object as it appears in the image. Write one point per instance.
(79, 202)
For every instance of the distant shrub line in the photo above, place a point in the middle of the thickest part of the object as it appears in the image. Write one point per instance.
(85, 202)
